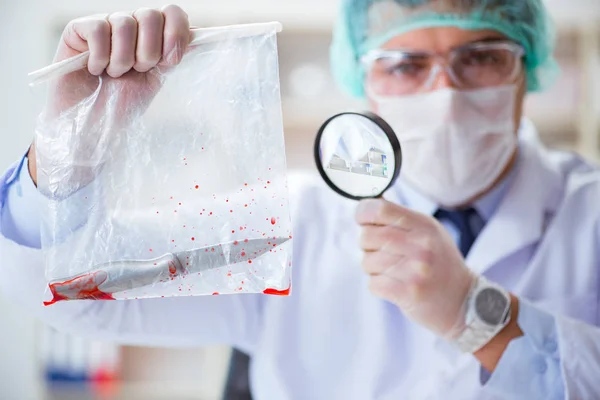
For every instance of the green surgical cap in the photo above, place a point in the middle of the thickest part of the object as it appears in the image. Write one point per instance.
(365, 25)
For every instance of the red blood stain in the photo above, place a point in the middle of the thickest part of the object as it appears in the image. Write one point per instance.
(150, 250)
(245, 205)
(274, 245)
(179, 203)
(171, 197)
(233, 231)
(268, 182)
(245, 240)
(215, 294)
(229, 274)
(243, 253)
(245, 184)
(82, 287)
(213, 249)
(172, 269)
(236, 243)
(155, 264)
(276, 292)
(249, 261)
(184, 159)
(210, 213)
(172, 240)
(242, 282)
(197, 187)
(175, 210)
(230, 211)
(193, 238)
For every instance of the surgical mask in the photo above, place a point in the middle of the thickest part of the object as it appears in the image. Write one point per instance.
(455, 144)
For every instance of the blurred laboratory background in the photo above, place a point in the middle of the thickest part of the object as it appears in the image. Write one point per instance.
(39, 363)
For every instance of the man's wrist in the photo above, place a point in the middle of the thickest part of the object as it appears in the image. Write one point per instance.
(489, 355)
(32, 164)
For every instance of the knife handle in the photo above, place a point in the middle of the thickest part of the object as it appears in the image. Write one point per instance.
(118, 276)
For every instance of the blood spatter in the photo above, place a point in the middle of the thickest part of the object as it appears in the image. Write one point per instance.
(193, 238)
(197, 187)
(215, 294)
(243, 254)
(273, 221)
(235, 243)
(249, 261)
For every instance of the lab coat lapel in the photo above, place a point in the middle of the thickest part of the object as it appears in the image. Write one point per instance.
(524, 213)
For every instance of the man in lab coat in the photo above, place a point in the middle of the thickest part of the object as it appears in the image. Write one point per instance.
(478, 278)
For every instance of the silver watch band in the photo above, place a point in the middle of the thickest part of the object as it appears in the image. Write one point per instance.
(477, 332)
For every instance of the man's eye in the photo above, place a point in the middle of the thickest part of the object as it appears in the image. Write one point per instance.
(482, 58)
(406, 69)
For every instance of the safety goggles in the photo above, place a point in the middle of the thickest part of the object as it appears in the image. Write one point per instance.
(474, 66)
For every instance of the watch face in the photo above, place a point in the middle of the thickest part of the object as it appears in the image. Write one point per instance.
(490, 305)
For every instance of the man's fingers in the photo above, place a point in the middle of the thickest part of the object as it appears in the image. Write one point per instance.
(123, 44)
(387, 238)
(380, 263)
(93, 34)
(150, 38)
(382, 212)
(176, 35)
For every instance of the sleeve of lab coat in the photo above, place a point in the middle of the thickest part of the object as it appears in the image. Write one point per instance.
(557, 358)
(183, 321)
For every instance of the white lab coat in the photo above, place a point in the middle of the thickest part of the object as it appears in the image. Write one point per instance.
(332, 339)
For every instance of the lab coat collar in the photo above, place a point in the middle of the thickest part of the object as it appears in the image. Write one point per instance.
(525, 211)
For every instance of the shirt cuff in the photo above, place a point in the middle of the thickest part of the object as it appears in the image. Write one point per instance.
(20, 206)
(27, 215)
(530, 367)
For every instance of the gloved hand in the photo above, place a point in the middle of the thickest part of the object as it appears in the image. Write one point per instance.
(414, 263)
(127, 46)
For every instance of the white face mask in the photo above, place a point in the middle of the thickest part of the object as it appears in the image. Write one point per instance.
(455, 144)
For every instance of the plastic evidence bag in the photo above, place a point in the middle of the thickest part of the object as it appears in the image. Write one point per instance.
(169, 183)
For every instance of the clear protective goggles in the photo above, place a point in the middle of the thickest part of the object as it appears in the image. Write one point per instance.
(474, 66)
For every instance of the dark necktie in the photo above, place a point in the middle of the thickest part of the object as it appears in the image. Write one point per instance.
(463, 221)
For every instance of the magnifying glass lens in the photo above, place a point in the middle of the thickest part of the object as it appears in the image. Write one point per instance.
(358, 155)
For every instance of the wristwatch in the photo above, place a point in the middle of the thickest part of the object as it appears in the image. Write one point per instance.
(488, 309)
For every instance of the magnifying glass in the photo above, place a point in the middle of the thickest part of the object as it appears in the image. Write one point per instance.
(358, 155)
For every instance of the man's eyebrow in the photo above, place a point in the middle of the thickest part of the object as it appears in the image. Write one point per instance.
(488, 39)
